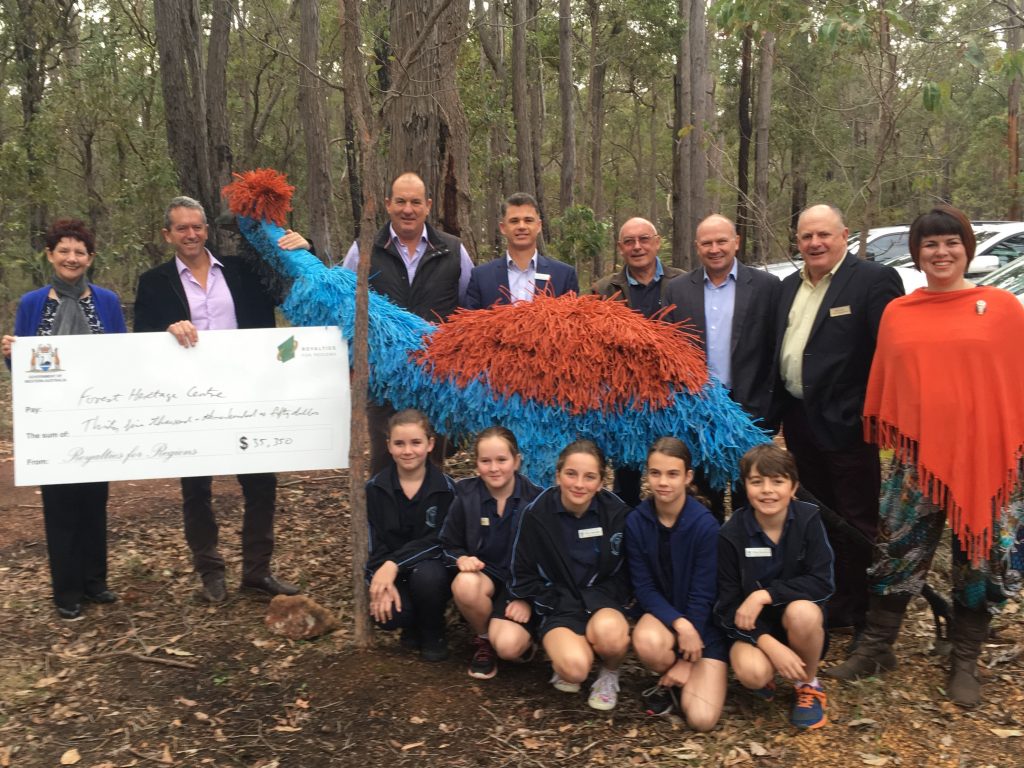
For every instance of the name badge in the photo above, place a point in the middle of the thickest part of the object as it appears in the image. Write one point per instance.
(485, 521)
(541, 276)
(840, 311)
(590, 533)
(759, 551)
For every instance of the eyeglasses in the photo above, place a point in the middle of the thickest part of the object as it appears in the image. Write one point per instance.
(629, 242)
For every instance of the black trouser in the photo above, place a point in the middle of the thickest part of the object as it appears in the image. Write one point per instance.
(424, 590)
(75, 518)
(848, 481)
(259, 491)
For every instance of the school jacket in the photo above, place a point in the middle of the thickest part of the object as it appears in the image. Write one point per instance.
(462, 533)
(807, 572)
(413, 535)
(694, 547)
(541, 569)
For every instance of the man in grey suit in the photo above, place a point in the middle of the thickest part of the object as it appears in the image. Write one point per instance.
(733, 309)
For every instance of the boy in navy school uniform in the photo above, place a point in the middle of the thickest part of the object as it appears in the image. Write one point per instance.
(775, 572)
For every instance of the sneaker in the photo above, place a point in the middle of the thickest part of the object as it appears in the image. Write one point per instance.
(604, 693)
(564, 685)
(767, 693)
(658, 700)
(809, 708)
(433, 646)
(484, 664)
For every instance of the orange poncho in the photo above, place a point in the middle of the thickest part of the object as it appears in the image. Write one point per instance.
(946, 391)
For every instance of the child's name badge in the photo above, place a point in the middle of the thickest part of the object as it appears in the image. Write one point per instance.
(759, 551)
(541, 276)
(485, 521)
(590, 533)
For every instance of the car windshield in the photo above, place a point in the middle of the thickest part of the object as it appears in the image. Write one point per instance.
(1009, 278)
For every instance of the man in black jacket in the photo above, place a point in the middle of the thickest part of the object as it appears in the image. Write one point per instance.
(197, 291)
(420, 269)
(826, 328)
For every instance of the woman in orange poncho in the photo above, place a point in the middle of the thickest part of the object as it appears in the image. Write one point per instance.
(945, 394)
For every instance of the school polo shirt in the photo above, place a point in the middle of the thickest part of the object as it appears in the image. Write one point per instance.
(584, 551)
(764, 568)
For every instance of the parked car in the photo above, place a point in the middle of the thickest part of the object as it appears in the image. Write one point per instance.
(1009, 278)
(911, 277)
(884, 243)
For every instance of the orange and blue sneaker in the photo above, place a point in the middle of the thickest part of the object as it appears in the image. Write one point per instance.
(767, 693)
(809, 708)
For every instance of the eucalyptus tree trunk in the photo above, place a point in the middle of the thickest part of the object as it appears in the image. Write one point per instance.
(1013, 45)
(743, 217)
(762, 122)
(521, 100)
(319, 192)
(367, 131)
(426, 124)
(567, 99)
(492, 42)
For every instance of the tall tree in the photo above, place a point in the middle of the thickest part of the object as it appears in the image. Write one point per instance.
(318, 193)
(743, 217)
(490, 31)
(521, 107)
(567, 101)
(423, 113)
(762, 148)
(1013, 46)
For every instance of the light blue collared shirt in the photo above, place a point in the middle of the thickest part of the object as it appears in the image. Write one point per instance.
(522, 283)
(658, 272)
(719, 303)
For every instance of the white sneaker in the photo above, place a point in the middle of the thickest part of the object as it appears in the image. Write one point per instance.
(604, 693)
(564, 685)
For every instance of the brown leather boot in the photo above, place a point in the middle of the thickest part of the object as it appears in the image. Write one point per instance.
(873, 654)
(969, 631)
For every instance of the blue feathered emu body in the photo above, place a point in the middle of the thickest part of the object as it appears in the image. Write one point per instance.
(566, 383)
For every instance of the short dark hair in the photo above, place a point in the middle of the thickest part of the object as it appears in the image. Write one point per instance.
(500, 432)
(588, 447)
(942, 220)
(770, 461)
(410, 416)
(76, 229)
(674, 447)
(519, 198)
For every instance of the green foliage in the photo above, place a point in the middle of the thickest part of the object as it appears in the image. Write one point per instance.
(581, 236)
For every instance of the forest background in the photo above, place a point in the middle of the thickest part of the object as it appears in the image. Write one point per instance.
(668, 109)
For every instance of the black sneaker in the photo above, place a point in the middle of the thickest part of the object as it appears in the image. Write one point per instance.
(484, 664)
(433, 647)
(103, 597)
(658, 700)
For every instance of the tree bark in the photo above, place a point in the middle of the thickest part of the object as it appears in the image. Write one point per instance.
(319, 192)
(221, 157)
(746, 134)
(1013, 45)
(537, 121)
(492, 43)
(521, 100)
(424, 117)
(762, 150)
(357, 96)
(567, 98)
(183, 82)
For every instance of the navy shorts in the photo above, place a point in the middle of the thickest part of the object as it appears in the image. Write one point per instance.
(575, 621)
(772, 616)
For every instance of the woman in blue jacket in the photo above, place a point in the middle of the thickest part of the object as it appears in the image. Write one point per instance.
(74, 514)
(671, 549)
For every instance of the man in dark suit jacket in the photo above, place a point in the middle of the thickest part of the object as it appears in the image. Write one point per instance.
(732, 307)
(827, 325)
(193, 292)
(523, 270)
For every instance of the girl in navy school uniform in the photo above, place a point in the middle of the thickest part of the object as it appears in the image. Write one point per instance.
(567, 560)
(477, 540)
(672, 551)
(406, 504)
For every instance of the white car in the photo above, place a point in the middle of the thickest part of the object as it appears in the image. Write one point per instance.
(1009, 278)
(912, 279)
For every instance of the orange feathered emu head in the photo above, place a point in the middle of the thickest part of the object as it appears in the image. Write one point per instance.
(263, 195)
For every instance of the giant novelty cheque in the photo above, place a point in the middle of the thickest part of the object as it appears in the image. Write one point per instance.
(134, 406)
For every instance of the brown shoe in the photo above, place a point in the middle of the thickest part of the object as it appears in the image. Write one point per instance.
(269, 585)
(213, 589)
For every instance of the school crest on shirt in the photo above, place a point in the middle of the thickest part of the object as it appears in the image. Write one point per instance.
(431, 515)
(615, 543)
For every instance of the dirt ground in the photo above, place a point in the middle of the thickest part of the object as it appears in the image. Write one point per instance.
(161, 679)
